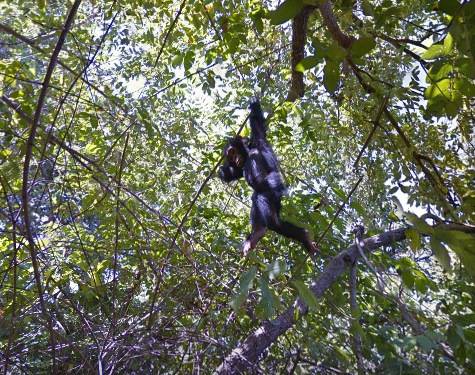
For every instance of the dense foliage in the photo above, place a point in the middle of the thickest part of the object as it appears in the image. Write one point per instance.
(120, 250)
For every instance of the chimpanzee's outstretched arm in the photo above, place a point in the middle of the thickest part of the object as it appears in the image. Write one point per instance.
(258, 126)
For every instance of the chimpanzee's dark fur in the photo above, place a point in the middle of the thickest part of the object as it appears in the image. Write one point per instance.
(259, 166)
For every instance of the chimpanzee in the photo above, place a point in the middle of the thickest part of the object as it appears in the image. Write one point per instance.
(255, 160)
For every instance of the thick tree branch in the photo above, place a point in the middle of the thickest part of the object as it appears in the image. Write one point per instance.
(245, 356)
(299, 38)
(330, 21)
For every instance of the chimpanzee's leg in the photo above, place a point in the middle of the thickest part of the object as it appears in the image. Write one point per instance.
(292, 231)
(259, 210)
(288, 229)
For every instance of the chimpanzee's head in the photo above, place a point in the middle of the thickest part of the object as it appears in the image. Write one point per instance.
(236, 151)
(235, 154)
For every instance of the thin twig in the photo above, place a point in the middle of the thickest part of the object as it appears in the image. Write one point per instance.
(375, 126)
(169, 31)
(354, 316)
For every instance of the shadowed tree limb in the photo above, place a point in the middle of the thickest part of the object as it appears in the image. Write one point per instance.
(299, 38)
(246, 355)
(26, 169)
(331, 23)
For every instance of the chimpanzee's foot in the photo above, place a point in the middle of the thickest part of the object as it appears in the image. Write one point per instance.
(311, 247)
(246, 247)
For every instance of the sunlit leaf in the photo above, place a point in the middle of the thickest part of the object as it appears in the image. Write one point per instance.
(362, 46)
(285, 11)
(245, 283)
(307, 63)
(435, 51)
(441, 253)
(414, 239)
(306, 294)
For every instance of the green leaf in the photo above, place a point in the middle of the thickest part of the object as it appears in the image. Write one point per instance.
(407, 277)
(307, 63)
(463, 244)
(465, 87)
(342, 355)
(458, 239)
(421, 282)
(335, 53)
(443, 90)
(393, 190)
(331, 76)
(449, 6)
(306, 294)
(448, 43)
(419, 224)
(177, 60)
(367, 8)
(358, 207)
(466, 66)
(441, 253)
(414, 239)
(362, 46)
(464, 320)
(285, 11)
(409, 342)
(189, 59)
(439, 71)
(259, 25)
(392, 216)
(454, 336)
(435, 51)
(426, 343)
(469, 334)
(269, 300)
(245, 283)
(339, 192)
(276, 268)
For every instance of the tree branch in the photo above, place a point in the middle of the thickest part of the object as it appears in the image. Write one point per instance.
(26, 168)
(356, 337)
(246, 355)
(299, 38)
(330, 21)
